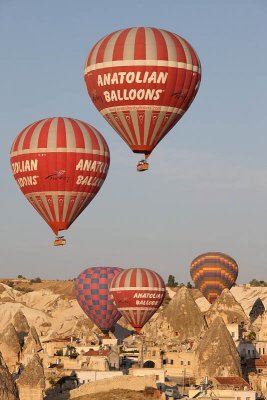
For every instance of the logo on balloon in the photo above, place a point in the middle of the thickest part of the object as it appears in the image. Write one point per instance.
(58, 174)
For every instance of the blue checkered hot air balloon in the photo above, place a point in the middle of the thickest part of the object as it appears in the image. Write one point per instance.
(92, 294)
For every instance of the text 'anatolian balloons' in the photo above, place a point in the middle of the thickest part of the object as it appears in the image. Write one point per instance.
(137, 294)
(142, 80)
(59, 164)
(213, 272)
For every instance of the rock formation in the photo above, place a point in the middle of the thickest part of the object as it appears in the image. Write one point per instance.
(257, 313)
(228, 308)
(10, 347)
(8, 389)
(32, 345)
(184, 317)
(21, 325)
(31, 382)
(216, 354)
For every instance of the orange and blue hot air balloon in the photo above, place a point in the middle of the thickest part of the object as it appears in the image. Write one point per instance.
(213, 272)
(142, 80)
(93, 295)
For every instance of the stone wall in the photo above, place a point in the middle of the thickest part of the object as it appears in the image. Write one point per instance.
(30, 393)
(125, 382)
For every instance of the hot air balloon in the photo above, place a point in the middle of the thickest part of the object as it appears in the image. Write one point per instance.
(59, 164)
(212, 273)
(142, 80)
(92, 294)
(137, 294)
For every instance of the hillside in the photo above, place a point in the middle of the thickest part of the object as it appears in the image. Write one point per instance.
(61, 287)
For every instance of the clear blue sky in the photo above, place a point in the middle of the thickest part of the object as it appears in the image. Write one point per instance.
(207, 186)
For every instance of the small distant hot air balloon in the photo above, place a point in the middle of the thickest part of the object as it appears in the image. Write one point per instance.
(137, 294)
(212, 273)
(59, 164)
(92, 294)
(142, 80)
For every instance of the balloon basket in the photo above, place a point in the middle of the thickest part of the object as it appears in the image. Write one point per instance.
(142, 166)
(59, 241)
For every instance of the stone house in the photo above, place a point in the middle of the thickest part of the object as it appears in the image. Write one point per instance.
(180, 364)
(52, 346)
(222, 388)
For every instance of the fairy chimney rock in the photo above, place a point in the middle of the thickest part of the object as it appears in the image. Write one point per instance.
(31, 382)
(20, 322)
(216, 354)
(21, 325)
(184, 316)
(32, 345)
(227, 308)
(10, 347)
(8, 389)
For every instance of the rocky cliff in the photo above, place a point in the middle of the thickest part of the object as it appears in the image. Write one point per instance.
(216, 354)
(228, 308)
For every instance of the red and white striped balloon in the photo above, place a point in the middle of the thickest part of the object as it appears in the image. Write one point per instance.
(59, 164)
(137, 294)
(142, 80)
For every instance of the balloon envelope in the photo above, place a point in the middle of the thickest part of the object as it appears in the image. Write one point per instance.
(213, 272)
(142, 80)
(59, 164)
(137, 293)
(92, 294)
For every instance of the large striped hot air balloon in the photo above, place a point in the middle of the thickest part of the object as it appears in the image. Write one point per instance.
(59, 164)
(212, 273)
(137, 294)
(142, 80)
(92, 294)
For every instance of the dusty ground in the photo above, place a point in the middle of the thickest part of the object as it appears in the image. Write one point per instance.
(118, 394)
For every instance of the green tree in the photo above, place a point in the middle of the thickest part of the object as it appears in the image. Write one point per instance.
(171, 281)
(36, 280)
(189, 285)
(71, 351)
(251, 335)
(255, 282)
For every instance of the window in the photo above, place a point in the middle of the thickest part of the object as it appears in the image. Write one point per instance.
(263, 350)
(233, 334)
(259, 351)
(182, 363)
(238, 398)
(171, 362)
(157, 377)
(153, 353)
(248, 352)
(189, 363)
(247, 398)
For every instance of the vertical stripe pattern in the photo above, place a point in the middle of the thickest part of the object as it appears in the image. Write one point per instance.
(212, 273)
(136, 73)
(92, 294)
(59, 164)
(137, 294)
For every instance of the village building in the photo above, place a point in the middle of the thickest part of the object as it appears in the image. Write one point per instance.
(222, 388)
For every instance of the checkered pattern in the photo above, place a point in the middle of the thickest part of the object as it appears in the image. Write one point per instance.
(92, 294)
